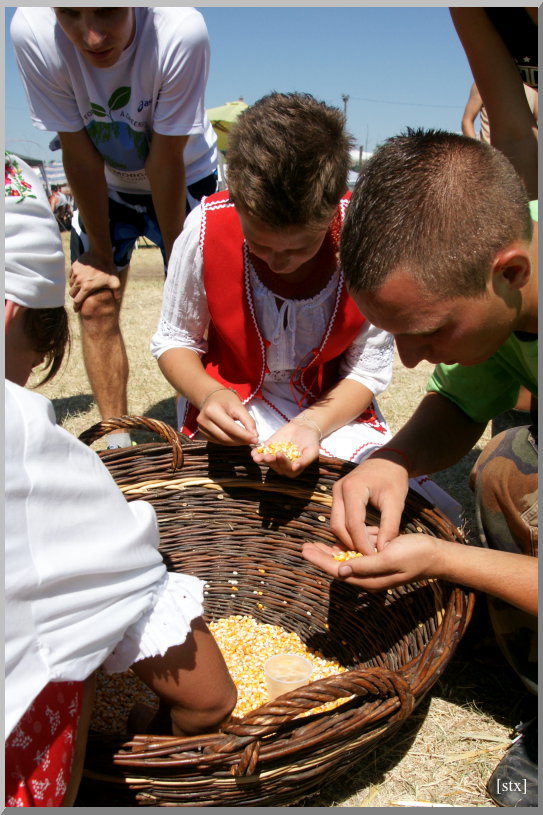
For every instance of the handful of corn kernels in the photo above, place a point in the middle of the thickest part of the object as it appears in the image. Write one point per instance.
(348, 555)
(288, 448)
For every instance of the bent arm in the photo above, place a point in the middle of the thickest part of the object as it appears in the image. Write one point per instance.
(365, 371)
(84, 168)
(340, 405)
(183, 369)
(192, 681)
(472, 110)
(223, 418)
(437, 435)
(513, 129)
(165, 170)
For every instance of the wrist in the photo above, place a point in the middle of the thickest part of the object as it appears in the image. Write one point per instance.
(104, 255)
(394, 454)
(440, 566)
(216, 390)
(303, 419)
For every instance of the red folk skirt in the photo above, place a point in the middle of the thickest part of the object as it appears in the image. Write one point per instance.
(40, 750)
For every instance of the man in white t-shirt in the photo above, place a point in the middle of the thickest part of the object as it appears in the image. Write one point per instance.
(124, 89)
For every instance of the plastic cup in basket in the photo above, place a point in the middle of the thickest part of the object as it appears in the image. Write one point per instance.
(286, 672)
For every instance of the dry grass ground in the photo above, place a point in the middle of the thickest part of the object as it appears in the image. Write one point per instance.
(450, 745)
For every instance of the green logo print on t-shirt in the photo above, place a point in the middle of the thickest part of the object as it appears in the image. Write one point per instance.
(120, 146)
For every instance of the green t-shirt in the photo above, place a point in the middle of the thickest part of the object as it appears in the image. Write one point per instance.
(483, 391)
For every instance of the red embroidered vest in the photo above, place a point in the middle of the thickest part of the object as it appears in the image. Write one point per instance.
(236, 353)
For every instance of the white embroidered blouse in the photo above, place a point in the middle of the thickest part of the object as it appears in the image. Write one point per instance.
(293, 327)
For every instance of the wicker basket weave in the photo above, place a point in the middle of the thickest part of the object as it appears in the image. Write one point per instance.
(220, 513)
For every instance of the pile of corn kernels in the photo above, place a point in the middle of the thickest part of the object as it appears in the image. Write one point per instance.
(246, 644)
(288, 448)
(347, 555)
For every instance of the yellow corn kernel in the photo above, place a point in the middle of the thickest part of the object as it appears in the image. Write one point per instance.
(348, 555)
(288, 448)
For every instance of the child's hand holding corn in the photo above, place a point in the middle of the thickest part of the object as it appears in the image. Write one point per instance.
(292, 448)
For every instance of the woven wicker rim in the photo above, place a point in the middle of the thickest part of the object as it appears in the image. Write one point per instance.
(271, 732)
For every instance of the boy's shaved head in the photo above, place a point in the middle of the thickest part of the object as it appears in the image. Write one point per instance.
(437, 205)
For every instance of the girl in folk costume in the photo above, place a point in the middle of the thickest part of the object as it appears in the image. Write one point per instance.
(258, 332)
(82, 587)
(256, 324)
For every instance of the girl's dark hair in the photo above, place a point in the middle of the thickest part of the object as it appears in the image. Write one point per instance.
(47, 328)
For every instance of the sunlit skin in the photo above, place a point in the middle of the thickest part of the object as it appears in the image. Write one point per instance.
(287, 251)
(463, 330)
(99, 34)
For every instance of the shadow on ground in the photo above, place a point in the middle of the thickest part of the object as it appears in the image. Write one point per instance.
(374, 765)
(164, 411)
(72, 406)
(478, 674)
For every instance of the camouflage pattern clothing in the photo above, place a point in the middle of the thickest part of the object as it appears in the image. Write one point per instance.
(505, 483)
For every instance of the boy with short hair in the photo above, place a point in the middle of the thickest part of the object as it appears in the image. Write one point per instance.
(439, 248)
(257, 331)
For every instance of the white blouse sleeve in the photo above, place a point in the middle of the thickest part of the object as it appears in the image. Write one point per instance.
(185, 316)
(369, 359)
(177, 601)
(83, 575)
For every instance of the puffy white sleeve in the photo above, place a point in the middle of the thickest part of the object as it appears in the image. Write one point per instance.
(369, 359)
(184, 316)
(84, 580)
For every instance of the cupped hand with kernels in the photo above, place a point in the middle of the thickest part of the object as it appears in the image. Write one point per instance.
(404, 559)
(290, 450)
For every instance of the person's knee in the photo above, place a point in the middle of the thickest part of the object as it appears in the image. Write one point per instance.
(510, 455)
(100, 311)
(208, 715)
(505, 481)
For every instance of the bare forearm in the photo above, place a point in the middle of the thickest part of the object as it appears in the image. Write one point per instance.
(513, 129)
(184, 371)
(85, 174)
(339, 406)
(437, 435)
(467, 127)
(473, 108)
(509, 576)
(165, 170)
(170, 204)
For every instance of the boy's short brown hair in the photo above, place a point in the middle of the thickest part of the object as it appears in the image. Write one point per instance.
(438, 205)
(288, 160)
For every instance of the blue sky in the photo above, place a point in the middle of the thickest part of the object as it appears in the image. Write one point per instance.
(399, 66)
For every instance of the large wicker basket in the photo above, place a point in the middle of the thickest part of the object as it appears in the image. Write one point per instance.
(219, 514)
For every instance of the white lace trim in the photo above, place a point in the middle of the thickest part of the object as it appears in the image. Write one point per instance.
(173, 336)
(178, 601)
